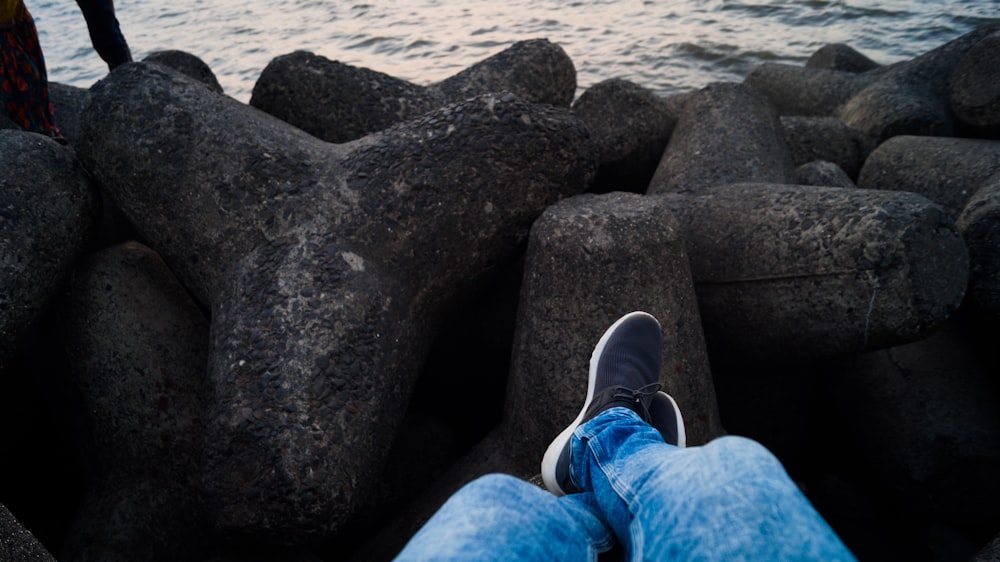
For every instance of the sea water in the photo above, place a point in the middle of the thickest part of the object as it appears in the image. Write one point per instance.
(666, 46)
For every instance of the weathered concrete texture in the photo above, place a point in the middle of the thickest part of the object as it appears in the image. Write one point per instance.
(631, 126)
(590, 260)
(535, 70)
(67, 102)
(990, 551)
(337, 102)
(48, 210)
(951, 172)
(838, 56)
(823, 173)
(186, 63)
(788, 272)
(945, 170)
(328, 267)
(924, 418)
(727, 133)
(822, 138)
(974, 87)
(979, 224)
(798, 90)
(910, 98)
(17, 544)
(138, 346)
(205, 197)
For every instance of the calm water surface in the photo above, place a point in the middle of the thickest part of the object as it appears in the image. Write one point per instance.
(666, 46)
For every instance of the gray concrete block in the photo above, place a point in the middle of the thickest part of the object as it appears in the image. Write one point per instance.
(138, 347)
(909, 98)
(807, 91)
(787, 272)
(822, 138)
(590, 260)
(328, 267)
(186, 63)
(17, 543)
(48, 213)
(979, 224)
(948, 171)
(631, 126)
(839, 56)
(338, 102)
(974, 87)
(727, 133)
(822, 173)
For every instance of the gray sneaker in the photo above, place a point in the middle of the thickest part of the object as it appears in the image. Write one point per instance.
(624, 371)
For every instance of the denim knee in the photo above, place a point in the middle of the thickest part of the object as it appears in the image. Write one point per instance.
(746, 451)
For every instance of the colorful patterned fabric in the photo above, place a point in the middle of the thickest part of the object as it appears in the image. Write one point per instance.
(24, 87)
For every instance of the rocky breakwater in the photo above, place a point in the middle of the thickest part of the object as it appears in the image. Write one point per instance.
(241, 379)
(918, 420)
(327, 268)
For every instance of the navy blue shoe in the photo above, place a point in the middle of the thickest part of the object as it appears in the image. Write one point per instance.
(624, 372)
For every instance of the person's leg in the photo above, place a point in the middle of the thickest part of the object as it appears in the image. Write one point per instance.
(728, 500)
(503, 518)
(105, 31)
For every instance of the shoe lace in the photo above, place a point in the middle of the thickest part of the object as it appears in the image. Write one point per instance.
(641, 396)
(636, 395)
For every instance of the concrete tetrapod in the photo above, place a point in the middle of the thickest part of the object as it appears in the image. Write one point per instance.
(839, 56)
(913, 97)
(821, 138)
(961, 175)
(631, 127)
(328, 267)
(726, 133)
(17, 543)
(979, 224)
(590, 259)
(910, 98)
(338, 102)
(974, 87)
(946, 170)
(138, 347)
(808, 91)
(48, 212)
(787, 272)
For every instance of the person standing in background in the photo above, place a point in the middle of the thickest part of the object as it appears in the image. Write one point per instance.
(24, 86)
(105, 32)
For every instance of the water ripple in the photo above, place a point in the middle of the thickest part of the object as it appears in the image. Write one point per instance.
(666, 46)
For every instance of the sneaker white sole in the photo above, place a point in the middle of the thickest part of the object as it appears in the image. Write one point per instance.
(677, 417)
(551, 457)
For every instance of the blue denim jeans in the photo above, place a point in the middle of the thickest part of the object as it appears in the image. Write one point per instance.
(728, 500)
